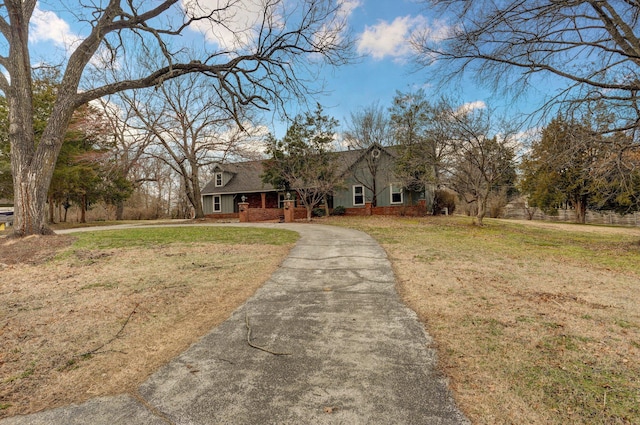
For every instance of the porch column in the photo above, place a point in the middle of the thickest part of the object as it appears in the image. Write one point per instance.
(263, 195)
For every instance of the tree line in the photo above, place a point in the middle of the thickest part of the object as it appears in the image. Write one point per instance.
(135, 45)
(450, 148)
(169, 137)
(586, 157)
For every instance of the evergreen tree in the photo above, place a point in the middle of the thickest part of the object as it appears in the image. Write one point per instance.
(303, 161)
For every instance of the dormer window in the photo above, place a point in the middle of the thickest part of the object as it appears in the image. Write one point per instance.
(218, 179)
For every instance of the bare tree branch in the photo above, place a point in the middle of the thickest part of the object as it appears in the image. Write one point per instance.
(262, 68)
(592, 45)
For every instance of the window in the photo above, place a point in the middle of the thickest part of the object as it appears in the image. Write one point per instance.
(396, 193)
(218, 178)
(217, 203)
(358, 195)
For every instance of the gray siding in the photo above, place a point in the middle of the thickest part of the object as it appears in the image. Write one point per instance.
(227, 204)
(207, 204)
(360, 175)
(344, 196)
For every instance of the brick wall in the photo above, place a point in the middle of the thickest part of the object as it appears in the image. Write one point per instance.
(222, 216)
(300, 213)
(265, 214)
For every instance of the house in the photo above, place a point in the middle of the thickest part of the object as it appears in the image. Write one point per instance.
(234, 182)
(369, 187)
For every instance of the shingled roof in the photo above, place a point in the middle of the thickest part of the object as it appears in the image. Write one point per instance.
(245, 179)
(246, 175)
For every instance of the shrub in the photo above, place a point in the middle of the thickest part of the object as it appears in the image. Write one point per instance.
(496, 203)
(444, 199)
(317, 212)
(339, 210)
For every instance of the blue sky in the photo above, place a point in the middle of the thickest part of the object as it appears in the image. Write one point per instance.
(381, 29)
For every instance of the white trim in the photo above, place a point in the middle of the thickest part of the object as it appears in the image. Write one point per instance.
(353, 195)
(215, 179)
(400, 192)
(213, 203)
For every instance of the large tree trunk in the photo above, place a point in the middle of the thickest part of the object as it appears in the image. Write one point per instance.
(83, 209)
(119, 210)
(482, 210)
(29, 188)
(31, 180)
(51, 211)
(30, 196)
(580, 206)
(197, 200)
(195, 196)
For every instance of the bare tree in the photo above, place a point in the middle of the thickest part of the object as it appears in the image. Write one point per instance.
(370, 128)
(422, 132)
(259, 66)
(481, 164)
(128, 145)
(190, 128)
(593, 46)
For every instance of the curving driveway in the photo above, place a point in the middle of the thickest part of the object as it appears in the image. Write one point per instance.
(330, 343)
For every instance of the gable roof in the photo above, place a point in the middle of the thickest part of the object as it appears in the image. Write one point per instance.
(245, 176)
(348, 159)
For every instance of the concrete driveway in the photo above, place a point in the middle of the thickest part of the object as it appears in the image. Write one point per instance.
(326, 340)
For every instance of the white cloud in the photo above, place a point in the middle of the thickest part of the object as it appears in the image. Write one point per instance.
(347, 7)
(331, 33)
(393, 39)
(386, 39)
(47, 26)
(471, 106)
(234, 24)
(239, 20)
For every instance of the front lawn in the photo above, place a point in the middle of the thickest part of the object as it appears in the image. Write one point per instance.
(533, 323)
(95, 313)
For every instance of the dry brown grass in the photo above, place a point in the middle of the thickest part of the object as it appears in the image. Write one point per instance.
(534, 325)
(56, 316)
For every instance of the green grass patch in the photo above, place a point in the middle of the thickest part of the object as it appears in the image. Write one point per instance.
(444, 236)
(148, 237)
(577, 392)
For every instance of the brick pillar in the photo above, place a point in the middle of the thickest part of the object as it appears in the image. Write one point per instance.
(289, 211)
(368, 208)
(243, 207)
(422, 207)
(263, 196)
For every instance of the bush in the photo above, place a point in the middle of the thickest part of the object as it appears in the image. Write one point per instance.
(444, 199)
(317, 212)
(496, 203)
(339, 210)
